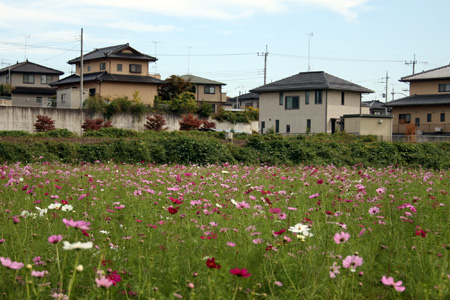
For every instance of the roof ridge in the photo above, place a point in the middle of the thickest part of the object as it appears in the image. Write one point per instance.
(425, 72)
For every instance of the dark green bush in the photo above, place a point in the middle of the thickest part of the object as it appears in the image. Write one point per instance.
(111, 132)
(62, 133)
(14, 133)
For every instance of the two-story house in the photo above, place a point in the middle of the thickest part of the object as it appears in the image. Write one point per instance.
(245, 100)
(208, 91)
(428, 103)
(110, 72)
(307, 102)
(30, 84)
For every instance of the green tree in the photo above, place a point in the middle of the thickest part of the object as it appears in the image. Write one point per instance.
(173, 87)
(184, 103)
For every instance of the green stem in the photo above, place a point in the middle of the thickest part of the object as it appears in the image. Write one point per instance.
(235, 291)
(72, 280)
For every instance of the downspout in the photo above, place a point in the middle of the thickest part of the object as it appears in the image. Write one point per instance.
(326, 111)
(360, 104)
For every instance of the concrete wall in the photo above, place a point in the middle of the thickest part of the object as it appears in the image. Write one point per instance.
(365, 125)
(23, 118)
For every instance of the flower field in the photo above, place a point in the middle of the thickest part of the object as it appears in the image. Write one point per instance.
(118, 231)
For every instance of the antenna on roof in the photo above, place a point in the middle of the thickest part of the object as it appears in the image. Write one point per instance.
(309, 49)
(155, 42)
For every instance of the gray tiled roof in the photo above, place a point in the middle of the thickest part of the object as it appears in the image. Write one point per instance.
(114, 52)
(311, 81)
(29, 67)
(438, 73)
(248, 96)
(201, 80)
(34, 90)
(421, 100)
(104, 76)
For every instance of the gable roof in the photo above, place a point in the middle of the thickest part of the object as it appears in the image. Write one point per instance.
(420, 100)
(438, 73)
(311, 81)
(30, 67)
(114, 52)
(105, 76)
(248, 96)
(200, 80)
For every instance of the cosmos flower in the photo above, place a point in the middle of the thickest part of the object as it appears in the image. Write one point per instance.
(352, 262)
(390, 281)
(83, 225)
(334, 270)
(341, 237)
(53, 239)
(103, 282)
(14, 265)
(77, 245)
(240, 272)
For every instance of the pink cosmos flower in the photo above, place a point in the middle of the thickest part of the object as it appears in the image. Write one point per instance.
(341, 237)
(83, 225)
(374, 210)
(2, 241)
(231, 244)
(390, 281)
(240, 272)
(38, 274)
(6, 261)
(352, 262)
(314, 196)
(53, 239)
(257, 241)
(334, 269)
(103, 282)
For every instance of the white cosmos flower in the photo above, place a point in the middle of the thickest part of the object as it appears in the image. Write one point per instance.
(67, 207)
(300, 228)
(77, 245)
(104, 232)
(54, 206)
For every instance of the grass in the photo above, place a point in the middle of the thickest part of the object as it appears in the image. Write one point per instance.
(156, 227)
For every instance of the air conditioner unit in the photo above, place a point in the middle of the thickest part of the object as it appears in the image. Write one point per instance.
(437, 129)
(419, 132)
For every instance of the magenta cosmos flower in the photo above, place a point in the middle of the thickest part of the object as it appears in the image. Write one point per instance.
(390, 281)
(6, 261)
(55, 239)
(240, 272)
(83, 225)
(352, 262)
(341, 237)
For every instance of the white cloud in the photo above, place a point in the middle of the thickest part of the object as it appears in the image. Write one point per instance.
(142, 27)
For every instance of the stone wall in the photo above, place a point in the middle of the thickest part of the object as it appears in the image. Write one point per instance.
(23, 118)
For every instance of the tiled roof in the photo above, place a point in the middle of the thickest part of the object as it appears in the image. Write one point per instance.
(248, 96)
(34, 90)
(114, 52)
(29, 67)
(201, 80)
(104, 76)
(311, 81)
(438, 73)
(421, 100)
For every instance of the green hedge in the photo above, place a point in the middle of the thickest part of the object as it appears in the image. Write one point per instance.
(205, 148)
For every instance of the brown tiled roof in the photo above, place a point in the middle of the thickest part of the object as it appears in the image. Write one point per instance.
(438, 73)
(30, 67)
(114, 52)
(311, 81)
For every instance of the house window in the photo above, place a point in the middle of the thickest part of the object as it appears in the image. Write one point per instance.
(343, 98)
(213, 106)
(428, 117)
(444, 87)
(307, 97)
(281, 98)
(91, 92)
(263, 125)
(277, 126)
(28, 78)
(89, 68)
(308, 125)
(39, 100)
(102, 66)
(417, 122)
(46, 79)
(135, 68)
(288, 128)
(63, 98)
(404, 118)
(210, 89)
(292, 103)
(442, 117)
(318, 99)
(119, 67)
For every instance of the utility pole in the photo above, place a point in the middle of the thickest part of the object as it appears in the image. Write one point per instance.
(81, 71)
(387, 81)
(25, 54)
(265, 54)
(413, 63)
(189, 49)
(309, 49)
(155, 42)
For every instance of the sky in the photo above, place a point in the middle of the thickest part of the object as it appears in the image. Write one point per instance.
(362, 41)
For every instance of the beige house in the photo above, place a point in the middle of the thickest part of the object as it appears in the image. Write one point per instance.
(307, 102)
(110, 72)
(428, 104)
(208, 91)
(244, 101)
(31, 84)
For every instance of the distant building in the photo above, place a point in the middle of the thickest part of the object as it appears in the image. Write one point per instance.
(110, 72)
(428, 103)
(308, 102)
(208, 91)
(245, 100)
(374, 107)
(31, 84)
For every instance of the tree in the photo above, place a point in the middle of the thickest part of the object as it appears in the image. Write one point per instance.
(155, 123)
(184, 103)
(95, 124)
(190, 122)
(44, 124)
(173, 87)
(205, 109)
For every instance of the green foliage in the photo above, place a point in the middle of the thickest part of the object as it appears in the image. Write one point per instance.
(14, 133)
(118, 105)
(111, 132)
(184, 103)
(57, 133)
(95, 103)
(248, 115)
(205, 109)
(173, 87)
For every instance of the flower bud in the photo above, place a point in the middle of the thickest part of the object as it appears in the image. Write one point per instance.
(79, 268)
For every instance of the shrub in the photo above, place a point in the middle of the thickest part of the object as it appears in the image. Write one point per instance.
(208, 125)
(44, 124)
(95, 103)
(155, 123)
(184, 103)
(61, 133)
(111, 132)
(205, 109)
(190, 122)
(95, 124)
(14, 133)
